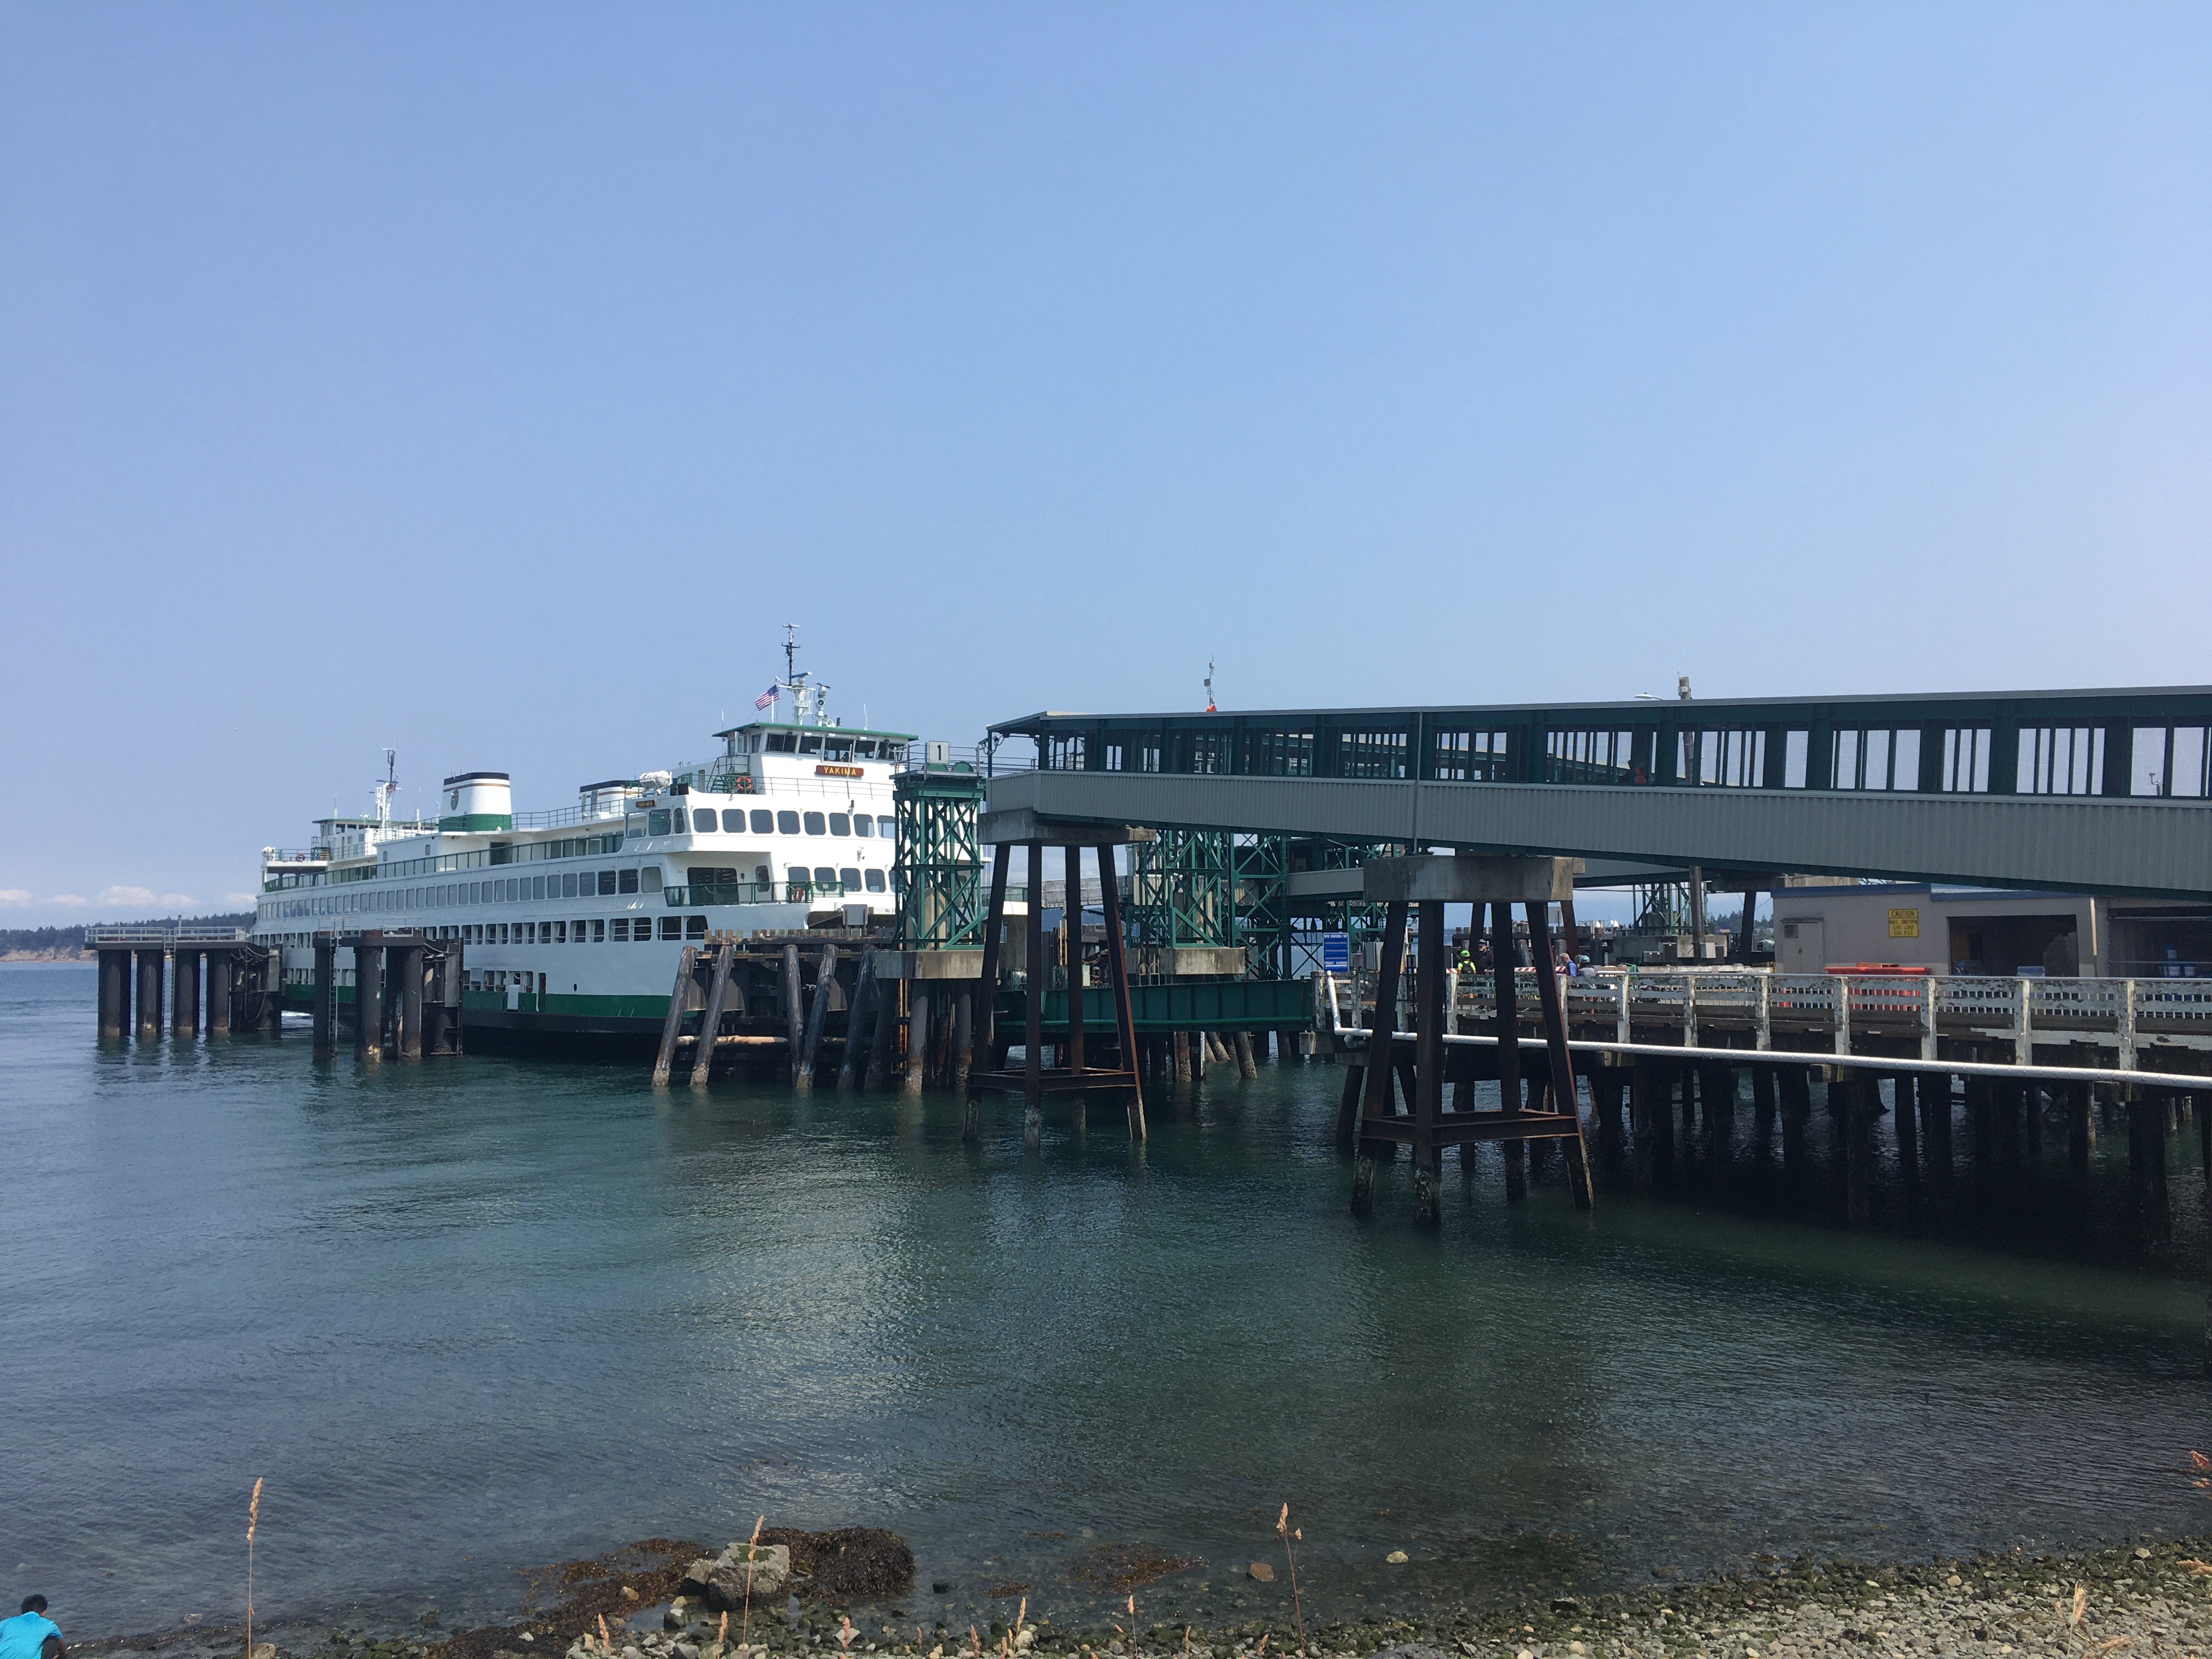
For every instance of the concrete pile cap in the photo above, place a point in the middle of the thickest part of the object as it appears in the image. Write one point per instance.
(1469, 879)
(1022, 823)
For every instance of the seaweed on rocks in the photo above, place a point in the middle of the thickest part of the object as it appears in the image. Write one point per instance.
(851, 1563)
(1125, 1566)
(613, 1586)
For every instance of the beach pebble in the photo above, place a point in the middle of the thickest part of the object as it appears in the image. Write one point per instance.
(1396, 1558)
(1259, 1570)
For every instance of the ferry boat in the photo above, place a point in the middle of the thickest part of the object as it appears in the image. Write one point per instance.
(573, 921)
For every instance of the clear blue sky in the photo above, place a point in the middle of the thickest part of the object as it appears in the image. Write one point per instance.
(489, 380)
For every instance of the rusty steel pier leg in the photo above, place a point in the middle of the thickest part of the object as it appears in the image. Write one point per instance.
(1117, 977)
(1381, 1051)
(1428, 1064)
(1073, 1058)
(1565, 1097)
(994, 928)
(1040, 977)
(1508, 1046)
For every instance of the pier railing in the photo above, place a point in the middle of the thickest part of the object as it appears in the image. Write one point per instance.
(161, 934)
(1923, 1018)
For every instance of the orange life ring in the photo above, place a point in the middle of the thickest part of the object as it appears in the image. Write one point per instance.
(743, 786)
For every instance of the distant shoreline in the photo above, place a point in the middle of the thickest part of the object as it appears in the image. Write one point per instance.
(45, 956)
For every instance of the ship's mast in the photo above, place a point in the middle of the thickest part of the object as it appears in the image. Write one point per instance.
(809, 702)
(389, 787)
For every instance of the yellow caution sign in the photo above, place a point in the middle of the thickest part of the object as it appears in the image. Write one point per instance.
(1904, 924)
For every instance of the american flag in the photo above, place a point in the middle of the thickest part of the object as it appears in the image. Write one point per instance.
(767, 696)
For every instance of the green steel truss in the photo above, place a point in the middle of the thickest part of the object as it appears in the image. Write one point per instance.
(1180, 890)
(939, 863)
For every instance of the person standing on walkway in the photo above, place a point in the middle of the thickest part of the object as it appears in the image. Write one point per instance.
(30, 1634)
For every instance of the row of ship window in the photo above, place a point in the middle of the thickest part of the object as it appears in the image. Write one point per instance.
(513, 889)
(760, 820)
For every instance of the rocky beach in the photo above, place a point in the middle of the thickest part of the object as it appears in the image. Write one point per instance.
(2135, 1600)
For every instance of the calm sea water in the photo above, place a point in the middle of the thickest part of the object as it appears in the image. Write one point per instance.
(468, 1316)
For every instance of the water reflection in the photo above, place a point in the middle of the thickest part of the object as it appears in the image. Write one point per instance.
(470, 1315)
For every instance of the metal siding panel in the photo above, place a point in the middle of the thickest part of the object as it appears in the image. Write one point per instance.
(2090, 845)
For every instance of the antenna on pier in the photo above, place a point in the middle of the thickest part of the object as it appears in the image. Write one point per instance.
(1209, 687)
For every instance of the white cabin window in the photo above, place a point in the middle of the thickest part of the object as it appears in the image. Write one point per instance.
(763, 821)
(864, 825)
(841, 824)
(875, 881)
(886, 825)
(815, 825)
(786, 823)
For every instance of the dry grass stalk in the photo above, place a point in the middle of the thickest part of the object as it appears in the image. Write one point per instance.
(746, 1625)
(1291, 1538)
(607, 1641)
(252, 1520)
(2080, 1603)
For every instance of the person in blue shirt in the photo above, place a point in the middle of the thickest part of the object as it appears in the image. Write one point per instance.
(30, 1634)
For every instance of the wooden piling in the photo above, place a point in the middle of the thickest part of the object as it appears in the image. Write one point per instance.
(672, 1023)
(1246, 1066)
(2147, 1193)
(881, 1048)
(817, 1018)
(1180, 1042)
(852, 1064)
(1934, 1093)
(920, 994)
(710, 1019)
(1906, 1122)
(1854, 1126)
(794, 1008)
